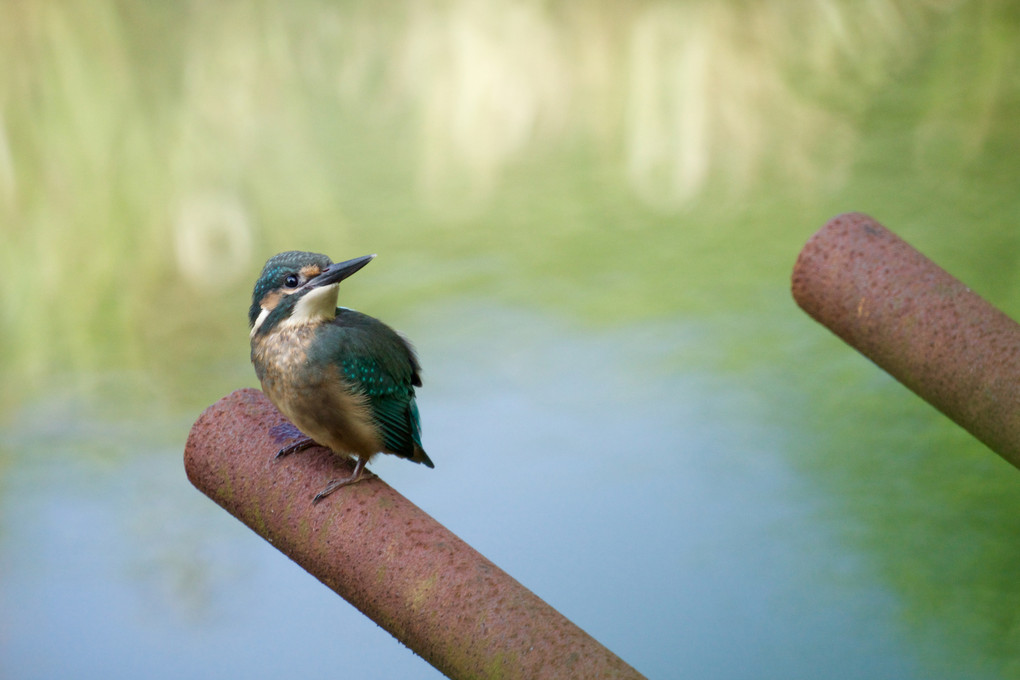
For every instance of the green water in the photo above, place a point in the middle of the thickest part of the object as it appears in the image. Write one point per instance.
(586, 215)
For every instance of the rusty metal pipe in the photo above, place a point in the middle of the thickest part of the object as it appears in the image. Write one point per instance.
(377, 550)
(916, 321)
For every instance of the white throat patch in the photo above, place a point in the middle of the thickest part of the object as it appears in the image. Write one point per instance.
(316, 306)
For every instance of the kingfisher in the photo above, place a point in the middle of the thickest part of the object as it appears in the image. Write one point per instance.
(345, 379)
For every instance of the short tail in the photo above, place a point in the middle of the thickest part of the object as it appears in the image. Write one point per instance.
(419, 456)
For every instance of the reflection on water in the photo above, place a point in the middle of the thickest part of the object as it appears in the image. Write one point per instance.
(621, 189)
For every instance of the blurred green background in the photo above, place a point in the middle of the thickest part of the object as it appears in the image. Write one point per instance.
(586, 214)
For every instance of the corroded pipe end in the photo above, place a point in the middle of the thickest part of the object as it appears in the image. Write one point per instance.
(919, 323)
(380, 552)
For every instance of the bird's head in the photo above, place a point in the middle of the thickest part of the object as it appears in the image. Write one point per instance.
(298, 287)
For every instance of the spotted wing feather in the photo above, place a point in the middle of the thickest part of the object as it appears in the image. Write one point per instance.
(377, 362)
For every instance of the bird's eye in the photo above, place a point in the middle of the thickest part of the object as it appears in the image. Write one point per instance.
(291, 281)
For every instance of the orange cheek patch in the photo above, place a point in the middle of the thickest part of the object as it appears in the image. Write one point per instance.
(271, 300)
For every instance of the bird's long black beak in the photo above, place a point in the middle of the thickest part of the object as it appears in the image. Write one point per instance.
(337, 272)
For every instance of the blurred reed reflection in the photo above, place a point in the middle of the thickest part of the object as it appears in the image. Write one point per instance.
(173, 146)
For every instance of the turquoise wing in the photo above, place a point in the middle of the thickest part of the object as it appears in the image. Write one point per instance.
(391, 399)
(379, 363)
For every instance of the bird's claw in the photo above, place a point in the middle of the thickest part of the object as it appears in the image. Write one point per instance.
(299, 445)
(359, 474)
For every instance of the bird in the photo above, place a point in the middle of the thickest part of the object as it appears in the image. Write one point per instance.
(346, 380)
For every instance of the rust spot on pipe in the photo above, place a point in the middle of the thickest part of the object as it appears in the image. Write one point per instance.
(919, 323)
(384, 555)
